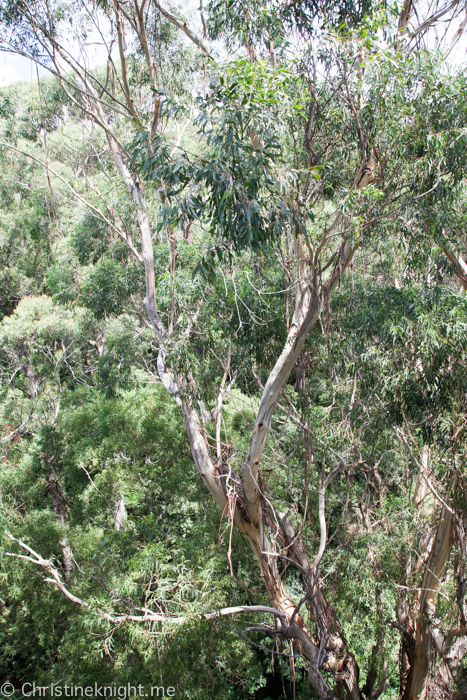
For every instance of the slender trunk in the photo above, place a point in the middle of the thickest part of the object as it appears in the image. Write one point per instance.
(120, 514)
(32, 381)
(459, 265)
(405, 15)
(59, 508)
(420, 653)
(307, 312)
(67, 555)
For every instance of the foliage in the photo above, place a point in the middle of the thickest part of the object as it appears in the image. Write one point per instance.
(249, 169)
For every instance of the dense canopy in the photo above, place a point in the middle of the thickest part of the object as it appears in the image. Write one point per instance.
(233, 349)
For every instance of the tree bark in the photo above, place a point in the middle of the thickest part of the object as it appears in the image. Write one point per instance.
(420, 654)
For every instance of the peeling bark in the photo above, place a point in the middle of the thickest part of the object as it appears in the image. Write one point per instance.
(419, 652)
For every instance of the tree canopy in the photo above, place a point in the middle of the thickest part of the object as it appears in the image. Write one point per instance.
(233, 343)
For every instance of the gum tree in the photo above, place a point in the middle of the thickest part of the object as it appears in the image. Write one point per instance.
(319, 148)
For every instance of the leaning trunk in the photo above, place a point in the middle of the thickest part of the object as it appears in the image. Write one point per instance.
(420, 653)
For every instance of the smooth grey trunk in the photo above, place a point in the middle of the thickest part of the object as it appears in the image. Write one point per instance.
(119, 514)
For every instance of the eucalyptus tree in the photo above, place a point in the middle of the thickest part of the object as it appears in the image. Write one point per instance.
(318, 148)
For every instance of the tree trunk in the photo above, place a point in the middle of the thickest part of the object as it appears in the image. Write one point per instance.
(120, 514)
(59, 508)
(420, 655)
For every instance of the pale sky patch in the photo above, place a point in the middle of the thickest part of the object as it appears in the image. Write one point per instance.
(16, 68)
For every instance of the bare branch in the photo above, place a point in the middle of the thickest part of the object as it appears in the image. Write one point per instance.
(79, 197)
(181, 24)
(149, 615)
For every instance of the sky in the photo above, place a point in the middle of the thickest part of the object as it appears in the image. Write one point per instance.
(14, 68)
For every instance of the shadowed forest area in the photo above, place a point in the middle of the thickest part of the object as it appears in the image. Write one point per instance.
(233, 349)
